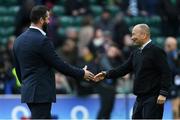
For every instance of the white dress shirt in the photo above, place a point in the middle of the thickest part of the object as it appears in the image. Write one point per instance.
(34, 27)
(142, 47)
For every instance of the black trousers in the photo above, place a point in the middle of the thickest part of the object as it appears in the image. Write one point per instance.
(107, 99)
(40, 110)
(147, 108)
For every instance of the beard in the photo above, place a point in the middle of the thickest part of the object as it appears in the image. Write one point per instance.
(45, 27)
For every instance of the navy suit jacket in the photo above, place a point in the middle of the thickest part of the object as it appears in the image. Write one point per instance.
(35, 58)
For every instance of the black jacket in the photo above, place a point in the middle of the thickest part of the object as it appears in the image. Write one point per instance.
(152, 73)
(35, 58)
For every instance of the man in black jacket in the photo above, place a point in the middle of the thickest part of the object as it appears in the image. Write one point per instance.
(152, 75)
(34, 58)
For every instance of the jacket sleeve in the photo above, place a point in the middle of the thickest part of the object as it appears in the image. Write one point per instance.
(122, 70)
(50, 56)
(163, 67)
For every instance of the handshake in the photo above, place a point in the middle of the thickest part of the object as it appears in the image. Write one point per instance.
(90, 76)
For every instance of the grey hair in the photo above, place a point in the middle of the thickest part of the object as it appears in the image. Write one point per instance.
(145, 28)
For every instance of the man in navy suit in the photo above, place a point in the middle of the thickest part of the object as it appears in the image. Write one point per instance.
(35, 58)
(152, 75)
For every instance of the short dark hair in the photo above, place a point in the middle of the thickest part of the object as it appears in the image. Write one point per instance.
(38, 12)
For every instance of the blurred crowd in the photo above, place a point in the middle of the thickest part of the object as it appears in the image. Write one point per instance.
(97, 33)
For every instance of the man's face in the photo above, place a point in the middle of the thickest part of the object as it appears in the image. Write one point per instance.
(113, 52)
(46, 21)
(137, 36)
(105, 15)
(170, 44)
(47, 17)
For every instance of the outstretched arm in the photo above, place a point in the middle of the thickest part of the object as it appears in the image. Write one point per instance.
(122, 70)
(50, 56)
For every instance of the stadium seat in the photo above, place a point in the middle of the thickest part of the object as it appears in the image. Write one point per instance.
(2, 3)
(3, 41)
(127, 20)
(113, 9)
(131, 21)
(96, 10)
(1, 31)
(65, 21)
(78, 21)
(137, 20)
(159, 41)
(61, 2)
(93, 2)
(178, 41)
(155, 31)
(9, 21)
(61, 32)
(6, 21)
(3, 10)
(10, 31)
(8, 2)
(13, 10)
(1, 21)
(58, 10)
(154, 21)
(6, 31)
(11, 2)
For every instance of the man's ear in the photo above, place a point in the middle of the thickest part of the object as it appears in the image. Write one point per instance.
(144, 36)
(41, 20)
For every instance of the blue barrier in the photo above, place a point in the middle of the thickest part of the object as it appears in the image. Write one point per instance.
(71, 107)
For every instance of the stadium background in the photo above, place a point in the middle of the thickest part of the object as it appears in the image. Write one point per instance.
(83, 32)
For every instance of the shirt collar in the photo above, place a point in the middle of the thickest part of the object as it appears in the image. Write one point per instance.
(34, 27)
(142, 47)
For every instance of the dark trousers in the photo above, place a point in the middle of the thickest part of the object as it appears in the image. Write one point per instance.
(40, 110)
(107, 99)
(147, 108)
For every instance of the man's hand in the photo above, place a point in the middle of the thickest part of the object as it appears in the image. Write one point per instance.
(87, 74)
(99, 76)
(161, 99)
